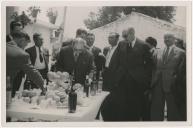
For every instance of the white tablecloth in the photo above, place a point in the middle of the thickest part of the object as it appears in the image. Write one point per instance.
(87, 112)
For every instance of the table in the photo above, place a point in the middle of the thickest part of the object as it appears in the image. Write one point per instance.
(83, 113)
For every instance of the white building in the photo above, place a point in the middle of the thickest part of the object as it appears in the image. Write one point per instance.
(144, 25)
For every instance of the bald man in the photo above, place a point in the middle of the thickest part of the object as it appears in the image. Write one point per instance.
(75, 58)
(169, 83)
(132, 79)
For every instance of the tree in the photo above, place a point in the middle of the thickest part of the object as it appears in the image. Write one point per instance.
(109, 14)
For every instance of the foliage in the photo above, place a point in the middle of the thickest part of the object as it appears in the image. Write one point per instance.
(23, 18)
(109, 14)
(52, 15)
(33, 11)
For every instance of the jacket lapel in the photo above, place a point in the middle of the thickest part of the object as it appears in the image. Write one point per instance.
(34, 54)
(171, 54)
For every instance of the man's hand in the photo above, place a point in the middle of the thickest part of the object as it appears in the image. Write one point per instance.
(43, 92)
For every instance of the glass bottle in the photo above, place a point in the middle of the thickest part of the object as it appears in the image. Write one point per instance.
(72, 97)
(93, 88)
(86, 86)
(8, 91)
(72, 101)
(100, 82)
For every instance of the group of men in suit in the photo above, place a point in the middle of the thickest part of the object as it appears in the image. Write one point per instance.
(134, 71)
(18, 60)
(79, 56)
(141, 79)
(36, 59)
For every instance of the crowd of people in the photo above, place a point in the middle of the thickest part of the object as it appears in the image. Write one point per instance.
(141, 78)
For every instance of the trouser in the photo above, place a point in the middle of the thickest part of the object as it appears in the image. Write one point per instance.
(17, 82)
(157, 107)
(146, 110)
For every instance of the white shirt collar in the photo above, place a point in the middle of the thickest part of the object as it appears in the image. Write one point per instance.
(114, 47)
(133, 42)
(170, 48)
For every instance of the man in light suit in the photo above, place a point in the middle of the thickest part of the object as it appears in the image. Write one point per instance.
(39, 58)
(167, 83)
(75, 59)
(17, 59)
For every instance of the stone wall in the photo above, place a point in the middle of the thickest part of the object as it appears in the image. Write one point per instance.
(145, 26)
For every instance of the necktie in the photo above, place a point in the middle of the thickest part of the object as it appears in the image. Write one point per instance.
(166, 55)
(40, 55)
(76, 56)
(129, 45)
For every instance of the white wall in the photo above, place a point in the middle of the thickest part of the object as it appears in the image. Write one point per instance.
(145, 26)
(35, 28)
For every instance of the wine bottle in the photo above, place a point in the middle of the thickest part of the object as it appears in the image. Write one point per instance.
(94, 84)
(100, 82)
(8, 91)
(72, 97)
(72, 101)
(86, 86)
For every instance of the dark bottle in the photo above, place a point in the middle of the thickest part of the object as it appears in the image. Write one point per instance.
(93, 88)
(86, 86)
(8, 91)
(100, 82)
(72, 97)
(72, 101)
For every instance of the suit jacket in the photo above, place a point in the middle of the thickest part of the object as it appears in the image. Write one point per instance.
(33, 55)
(109, 74)
(9, 38)
(138, 63)
(98, 60)
(66, 63)
(167, 74)
(16, 60)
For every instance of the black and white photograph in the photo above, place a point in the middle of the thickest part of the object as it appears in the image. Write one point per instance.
(98, 63)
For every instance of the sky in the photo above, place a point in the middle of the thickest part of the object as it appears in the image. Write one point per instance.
(75, 17)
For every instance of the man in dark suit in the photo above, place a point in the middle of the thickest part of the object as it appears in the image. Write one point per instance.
(20, 75)
(169, 83)
(17, 59)
(15, 27)
(107, 107)
(75, 59)
(81, 33)
(38, 56)
(134, 79)
(98, 59)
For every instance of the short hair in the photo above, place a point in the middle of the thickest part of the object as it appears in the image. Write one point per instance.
(115, 34)
(105, 50)
(13, 24)
(131, 30)
(19, 35)
(170, 35)
(79, 40)
(125, 32)
(27, 37)
(36, 35)
(152, 41)
(67, 42)
(80, 31)
(90, 34)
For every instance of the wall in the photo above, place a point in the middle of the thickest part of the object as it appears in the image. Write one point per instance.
(145, 26)
(35, 28)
